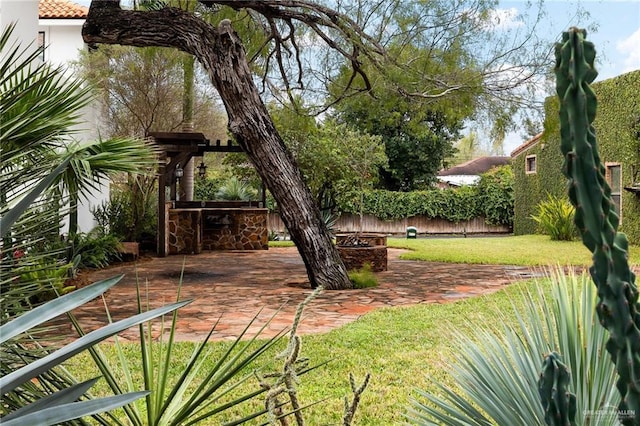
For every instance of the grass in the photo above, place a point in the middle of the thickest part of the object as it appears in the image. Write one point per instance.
(527, 250)
(363, 277)
(403, 348)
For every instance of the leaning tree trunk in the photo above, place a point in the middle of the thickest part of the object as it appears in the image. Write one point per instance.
(221, 53)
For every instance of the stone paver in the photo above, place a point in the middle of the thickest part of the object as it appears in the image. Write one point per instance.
(231, 288)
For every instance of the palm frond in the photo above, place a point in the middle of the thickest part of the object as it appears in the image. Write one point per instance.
(92, 162)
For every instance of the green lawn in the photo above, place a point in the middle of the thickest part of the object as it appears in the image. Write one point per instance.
(528, 250)
(511, 250)
(403, 348)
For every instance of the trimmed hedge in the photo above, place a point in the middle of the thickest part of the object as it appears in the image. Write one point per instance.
(491, 198)
(617, 126)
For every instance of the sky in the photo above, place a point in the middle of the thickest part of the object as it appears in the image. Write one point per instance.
(613, 26)
(616, 34)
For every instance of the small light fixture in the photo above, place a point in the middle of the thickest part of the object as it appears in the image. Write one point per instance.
(179, 172)
(202, 170)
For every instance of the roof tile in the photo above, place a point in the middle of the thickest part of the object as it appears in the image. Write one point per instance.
(61, 9)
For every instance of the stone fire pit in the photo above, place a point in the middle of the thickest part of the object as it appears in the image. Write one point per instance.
(357, 249)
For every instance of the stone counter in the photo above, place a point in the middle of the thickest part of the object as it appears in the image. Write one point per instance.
(235, 229)
(192, 230)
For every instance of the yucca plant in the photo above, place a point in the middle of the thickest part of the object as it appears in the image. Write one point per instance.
(186, 398)
(496, 368)
(555, 218)
(235, 189)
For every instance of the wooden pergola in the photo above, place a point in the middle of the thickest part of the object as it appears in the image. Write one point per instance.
(179, 148)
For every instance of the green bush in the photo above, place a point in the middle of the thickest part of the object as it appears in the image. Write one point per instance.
(363, 277)
(130, 215)
(495, 196)
(491, 198)
(95, 249)
(555, 218)
(206, 189)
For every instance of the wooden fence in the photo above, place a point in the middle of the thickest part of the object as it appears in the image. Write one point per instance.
(351, 223)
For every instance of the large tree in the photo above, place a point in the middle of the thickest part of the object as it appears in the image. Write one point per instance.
(221, 53)
(296, 36)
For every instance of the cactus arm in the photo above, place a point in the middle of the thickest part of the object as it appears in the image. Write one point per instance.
(558, 403)
(596, 218)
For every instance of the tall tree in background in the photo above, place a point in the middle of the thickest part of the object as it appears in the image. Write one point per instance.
(467, 148)
(141, 91)
(448, 63)
(297, 28)
(334, 158)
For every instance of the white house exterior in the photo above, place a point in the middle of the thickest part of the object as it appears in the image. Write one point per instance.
(58, 25)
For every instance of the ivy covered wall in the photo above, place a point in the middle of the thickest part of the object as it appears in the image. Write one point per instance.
(617, 127)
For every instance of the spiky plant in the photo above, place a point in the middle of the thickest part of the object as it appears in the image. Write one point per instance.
(496, 367)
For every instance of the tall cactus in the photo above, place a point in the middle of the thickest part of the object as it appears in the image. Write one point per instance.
(596, 218)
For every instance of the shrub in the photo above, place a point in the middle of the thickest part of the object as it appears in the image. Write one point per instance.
(555, 218)
(491, 198)
(496, 368)
(206, 189)
(95, 249)
(495, 196)
(363, 277)
(131, 214)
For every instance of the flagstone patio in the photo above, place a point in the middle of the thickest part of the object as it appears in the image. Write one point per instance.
(231, 287)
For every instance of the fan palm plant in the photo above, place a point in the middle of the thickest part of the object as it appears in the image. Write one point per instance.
(39, 107)
(92, 162)
(496, 369)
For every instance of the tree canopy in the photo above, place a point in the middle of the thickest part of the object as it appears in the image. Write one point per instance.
(140, 91)
(294, 60)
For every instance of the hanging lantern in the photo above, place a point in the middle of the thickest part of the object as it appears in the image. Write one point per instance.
(202, 170)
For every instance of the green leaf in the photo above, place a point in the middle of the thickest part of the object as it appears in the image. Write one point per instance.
(12, 215)
(63, 396)
(16, 378)
(55, 308)
(74, 410)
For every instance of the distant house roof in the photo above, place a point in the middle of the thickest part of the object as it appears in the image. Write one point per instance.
(475, 167)
(528, 144)
(61, 9)
(459, 180)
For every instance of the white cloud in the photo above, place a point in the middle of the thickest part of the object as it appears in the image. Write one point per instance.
(630, 48)
(504, 19)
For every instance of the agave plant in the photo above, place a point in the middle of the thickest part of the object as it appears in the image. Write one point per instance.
(235, 189)
(496, 369)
